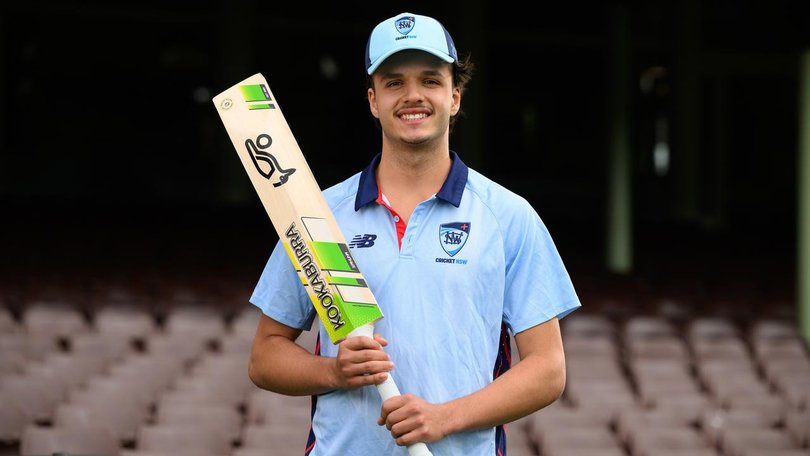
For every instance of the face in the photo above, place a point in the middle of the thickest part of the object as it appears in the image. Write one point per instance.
(413, 97)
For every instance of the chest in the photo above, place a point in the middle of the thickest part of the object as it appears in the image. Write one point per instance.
(439, 241)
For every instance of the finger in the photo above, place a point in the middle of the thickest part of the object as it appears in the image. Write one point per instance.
(403, 414)
(376, 367)
(401, 429)
(368, 368)
(371, 360)
(367, 379)
(363, 342)
(381, 340)
(376, 379)
(391, 411)
(410, 430)
(389, 406)
(364, 356)
(359, 354)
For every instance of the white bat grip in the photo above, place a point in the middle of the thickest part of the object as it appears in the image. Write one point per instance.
(389, 389)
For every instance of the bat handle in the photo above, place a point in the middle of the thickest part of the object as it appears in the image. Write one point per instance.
(389, 389)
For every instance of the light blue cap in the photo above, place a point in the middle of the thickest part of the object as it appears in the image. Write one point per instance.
(408, 31)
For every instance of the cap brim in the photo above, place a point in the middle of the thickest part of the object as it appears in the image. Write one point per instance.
(435, 52)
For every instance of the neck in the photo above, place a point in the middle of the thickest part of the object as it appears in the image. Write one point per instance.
(419, 173)
(406, 180)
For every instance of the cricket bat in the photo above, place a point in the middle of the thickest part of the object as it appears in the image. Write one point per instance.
(301, 216)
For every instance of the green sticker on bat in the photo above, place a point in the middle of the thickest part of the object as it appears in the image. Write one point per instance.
(334, 284)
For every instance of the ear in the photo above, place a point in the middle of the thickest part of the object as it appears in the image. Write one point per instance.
(372, 103)
(455, 102)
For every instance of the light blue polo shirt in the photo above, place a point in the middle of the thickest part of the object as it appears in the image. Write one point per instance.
(475, 260)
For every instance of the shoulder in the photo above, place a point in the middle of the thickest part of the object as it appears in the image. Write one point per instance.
(343, 193)
(501, 201)
(512, 215)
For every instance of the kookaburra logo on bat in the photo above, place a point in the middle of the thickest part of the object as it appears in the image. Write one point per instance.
(270, 163)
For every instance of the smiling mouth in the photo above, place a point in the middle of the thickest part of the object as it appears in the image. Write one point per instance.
(413, 116)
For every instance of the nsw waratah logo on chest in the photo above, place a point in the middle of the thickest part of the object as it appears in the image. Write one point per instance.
(453, 236)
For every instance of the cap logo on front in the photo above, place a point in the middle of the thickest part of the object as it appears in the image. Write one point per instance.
(404, 25)
(408, 31)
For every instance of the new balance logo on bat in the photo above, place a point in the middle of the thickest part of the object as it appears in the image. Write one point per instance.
(257, 152)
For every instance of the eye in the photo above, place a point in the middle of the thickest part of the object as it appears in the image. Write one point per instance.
(393, 83)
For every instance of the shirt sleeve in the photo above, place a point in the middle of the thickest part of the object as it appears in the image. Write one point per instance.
(538, 286)
(279, 293)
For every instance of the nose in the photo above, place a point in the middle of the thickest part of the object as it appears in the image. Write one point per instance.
(413, 92)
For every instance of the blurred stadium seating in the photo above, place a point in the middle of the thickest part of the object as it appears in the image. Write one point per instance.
(176, 381)
(163, 370)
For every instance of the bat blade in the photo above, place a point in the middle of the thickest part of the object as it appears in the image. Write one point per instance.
(294, 202)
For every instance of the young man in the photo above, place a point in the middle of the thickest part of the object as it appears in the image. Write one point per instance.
(455, 261)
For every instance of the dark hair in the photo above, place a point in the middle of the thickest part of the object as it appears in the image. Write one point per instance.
(462, 73)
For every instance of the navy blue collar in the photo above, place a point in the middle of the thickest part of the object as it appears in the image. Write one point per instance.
(451, 191)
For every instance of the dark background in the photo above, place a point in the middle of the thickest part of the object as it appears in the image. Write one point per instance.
(116, 173)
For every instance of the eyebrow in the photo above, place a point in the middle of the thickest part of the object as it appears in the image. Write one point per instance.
(394, 74)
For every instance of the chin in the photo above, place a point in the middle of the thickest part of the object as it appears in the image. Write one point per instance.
(416, 141)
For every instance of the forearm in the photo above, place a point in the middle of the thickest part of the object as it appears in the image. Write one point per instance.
(528, 386)
(280, 365)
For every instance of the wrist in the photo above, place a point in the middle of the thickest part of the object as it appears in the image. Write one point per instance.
(451, 421)
(331, 373)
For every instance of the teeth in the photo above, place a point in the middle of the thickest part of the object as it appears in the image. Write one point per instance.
(414, 116)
